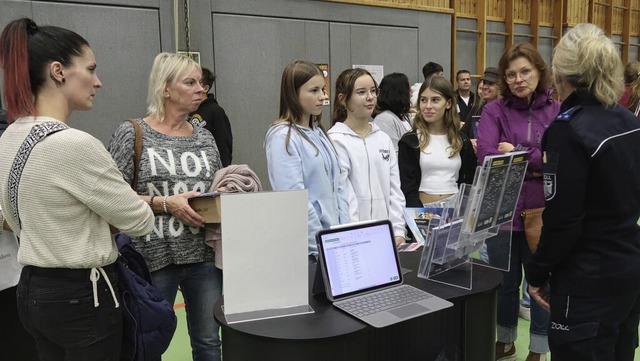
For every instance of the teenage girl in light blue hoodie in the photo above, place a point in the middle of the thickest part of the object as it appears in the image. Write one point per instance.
(299, 153)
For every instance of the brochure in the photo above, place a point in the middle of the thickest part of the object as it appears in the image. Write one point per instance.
(415, 216)
(512, 187)
(497, 169)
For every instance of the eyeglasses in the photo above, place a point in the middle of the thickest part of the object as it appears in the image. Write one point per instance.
(363, 93)
(525, 74)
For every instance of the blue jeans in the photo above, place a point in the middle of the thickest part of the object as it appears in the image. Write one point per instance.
(509, 296)
(201, 286)
(57, 307)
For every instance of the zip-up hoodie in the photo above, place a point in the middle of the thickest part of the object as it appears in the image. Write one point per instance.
(515, 121)
(300, 165)
(370, 169)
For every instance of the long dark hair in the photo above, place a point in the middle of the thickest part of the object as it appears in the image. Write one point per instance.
(295, 75)
(395, 95)
(25, 52)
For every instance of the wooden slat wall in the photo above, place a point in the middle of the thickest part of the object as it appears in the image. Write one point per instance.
(576, 11)
(610, 15)
(599, 13)
(495, 9)
(466, 9)
(635, 17)
(546, 12)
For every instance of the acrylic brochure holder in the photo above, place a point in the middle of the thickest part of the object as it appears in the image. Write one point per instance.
(477, 226)
(265, 255)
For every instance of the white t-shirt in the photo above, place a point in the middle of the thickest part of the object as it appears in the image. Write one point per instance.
(439, 172)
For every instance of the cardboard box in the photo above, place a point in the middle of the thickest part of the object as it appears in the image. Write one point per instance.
(208, 206)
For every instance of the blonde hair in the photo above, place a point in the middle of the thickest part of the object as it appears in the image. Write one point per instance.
(166, 68)
(587, 58)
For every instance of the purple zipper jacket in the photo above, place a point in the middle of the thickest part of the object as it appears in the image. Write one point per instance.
(513, 120)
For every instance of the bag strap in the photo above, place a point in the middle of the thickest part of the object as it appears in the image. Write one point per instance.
(137, 151)
(38, 133)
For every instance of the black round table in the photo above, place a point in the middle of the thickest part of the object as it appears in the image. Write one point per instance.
(465, 331)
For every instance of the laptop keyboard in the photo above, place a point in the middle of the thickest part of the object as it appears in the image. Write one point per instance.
(383, 300)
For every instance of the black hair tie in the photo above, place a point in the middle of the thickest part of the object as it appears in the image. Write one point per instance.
(32, 28)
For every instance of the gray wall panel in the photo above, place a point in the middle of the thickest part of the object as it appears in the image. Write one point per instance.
(395, 48)
(340, 51)
(124, 39)
(244, 44)
(466, 45)
(545, 45)
(495, 44)
(251, 53)
(317, 10)
(390, 47)
(633, 50)
(124, 62)
(434, 42)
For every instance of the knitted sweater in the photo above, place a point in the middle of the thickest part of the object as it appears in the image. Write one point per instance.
(69, 193)
(169, 165)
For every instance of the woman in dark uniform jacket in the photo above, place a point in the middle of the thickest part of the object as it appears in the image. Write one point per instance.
(589, 250)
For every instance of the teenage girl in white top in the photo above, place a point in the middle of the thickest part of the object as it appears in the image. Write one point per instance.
(367, 158)
(435, 157)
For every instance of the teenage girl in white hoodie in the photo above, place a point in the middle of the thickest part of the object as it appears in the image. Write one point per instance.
(366, 153)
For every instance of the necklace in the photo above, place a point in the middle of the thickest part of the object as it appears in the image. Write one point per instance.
(361, 133)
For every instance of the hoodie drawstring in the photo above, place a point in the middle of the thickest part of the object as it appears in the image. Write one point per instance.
(95, 276)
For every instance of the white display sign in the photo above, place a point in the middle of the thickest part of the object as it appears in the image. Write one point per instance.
(377, 71)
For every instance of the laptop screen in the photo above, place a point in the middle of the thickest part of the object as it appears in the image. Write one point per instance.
(359, 258)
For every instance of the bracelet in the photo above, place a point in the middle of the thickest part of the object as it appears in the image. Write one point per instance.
(151, 200)
(164, 204)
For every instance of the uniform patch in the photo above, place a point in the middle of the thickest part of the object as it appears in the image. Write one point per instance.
(549, 171)
(549, 183)
(567, 114)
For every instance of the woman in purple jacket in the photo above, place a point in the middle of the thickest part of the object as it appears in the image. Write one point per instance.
(516, 122)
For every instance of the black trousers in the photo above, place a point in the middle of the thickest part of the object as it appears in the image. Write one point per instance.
(15, 342)
(602, 328)
(57, 307)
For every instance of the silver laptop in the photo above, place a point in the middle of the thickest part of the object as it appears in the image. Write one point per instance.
(362, 275)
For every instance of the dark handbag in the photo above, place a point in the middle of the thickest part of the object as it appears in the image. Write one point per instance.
(532, 226)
